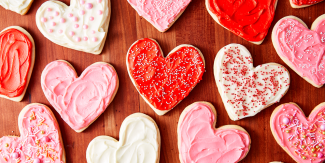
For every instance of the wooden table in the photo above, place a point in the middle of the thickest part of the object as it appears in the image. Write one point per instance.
(194, 27)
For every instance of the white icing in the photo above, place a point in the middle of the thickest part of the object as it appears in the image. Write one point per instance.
(49, 21)
(283, 79)
(15, 5)
(138, 144)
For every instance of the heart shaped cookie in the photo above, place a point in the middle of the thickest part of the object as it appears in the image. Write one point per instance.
(139, 143)
(164, 82)
(249, 19)
(302, 138)
(245, 90)
(303, 3)
(19, 6)
(17, 53)
(200, 141)
(302, 49)
(40, 139)
(81, 26)
(79, 101)
(162, 14)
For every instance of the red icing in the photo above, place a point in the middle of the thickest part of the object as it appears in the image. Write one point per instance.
(164, 82)
(15, 53)
(249, 19)
(305, 2)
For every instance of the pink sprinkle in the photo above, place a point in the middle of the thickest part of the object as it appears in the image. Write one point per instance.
(82, 2)
(85, 26)
(93, 32)
(51, 17)
(76, 25)
(100, 12)
(50, 30)
(320, 155)
(285, 120)
(89, 6)
(82, 12)
(91, 18)
(43, 20)
(322, 127)
(85, 38)
(49, 9)
(62, 20)
(15, 155)
(53, 24)
(60, 31)
(56, 13)
(94, 39)
(99, 1)
(70, 15)
(78, 39)
(71, 33)
(37, 160)
(75, 19)
(40, 110)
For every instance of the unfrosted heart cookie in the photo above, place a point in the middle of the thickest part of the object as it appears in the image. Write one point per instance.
(139, 143)
(303, 3)
(200, 141)
(19, 6)
(164, 82)
(301, 138)
(302, 49)
(244, 89)
(81, 26)
(162, 14)
(40, 140)
(79, 101)
(17, 53)
(249, 19)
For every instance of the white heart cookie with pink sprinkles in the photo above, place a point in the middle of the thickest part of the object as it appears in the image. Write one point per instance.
(246, 90)
(81, 26)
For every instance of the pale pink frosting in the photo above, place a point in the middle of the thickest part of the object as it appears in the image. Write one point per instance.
(160, 13)
(300, 135)
(302, 47)
(81, 100)
(38, 134)
(200, 142)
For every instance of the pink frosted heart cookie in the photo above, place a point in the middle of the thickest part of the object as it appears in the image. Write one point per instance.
(162, 14)
(302, 138)
(79, 101)
(199, 141)
(246, 90)
(40, 139)
(302, 49)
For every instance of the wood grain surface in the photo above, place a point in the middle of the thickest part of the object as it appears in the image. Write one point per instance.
(194, 27)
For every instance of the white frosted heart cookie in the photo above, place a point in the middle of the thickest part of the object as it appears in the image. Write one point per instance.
(139, 143)
(246, 90)
(17, 51)
(81, 26)
(19, 6)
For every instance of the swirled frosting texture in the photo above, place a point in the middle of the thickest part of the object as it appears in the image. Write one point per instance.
(81, 100)
(301, 137)
(249, 19)
(81, 26)
(160, 13)
(305, 2)
(138, 144)
(200, 142)
(303, 48)
(16, 53)
(164, 82)
(40, 138)
(15, 5)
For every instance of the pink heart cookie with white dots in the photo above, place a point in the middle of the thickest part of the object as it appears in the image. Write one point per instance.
(302, 49)
(40, 139)
(81, 26)
(162, 14)
(302, 138)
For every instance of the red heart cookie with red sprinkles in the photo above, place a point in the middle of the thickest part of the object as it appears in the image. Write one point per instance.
(249, 19)
(303, 3)
(40, 140)
(302, 138)
(164, 82)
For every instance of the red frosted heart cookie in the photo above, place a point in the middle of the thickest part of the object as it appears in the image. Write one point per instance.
(302, 138)
(249, 19)
(17, 52)
(40, 140)
(164, 82)
(302, 49)
(303, 3)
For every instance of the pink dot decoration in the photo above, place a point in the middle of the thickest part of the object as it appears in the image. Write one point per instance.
(89, 6)
(85, 26)
(37, 160)
(62, 20)
(15, 155)
(322, 127)
(82, 2)
(40, 110)
(70, 15)
(86, 38)
(53, 24)
(320, 155)
(78, 39)
(93, 32)
(94, 39)
(76, 25)
(50, 30)
(51, 17)
(49, 9)
(285, 120)
(75, 19)
(43, 20)
(56, 13)
(100, 12)
(82, 12)
(71, 33)
(60, 31)
(99, 1)
(91, 18)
